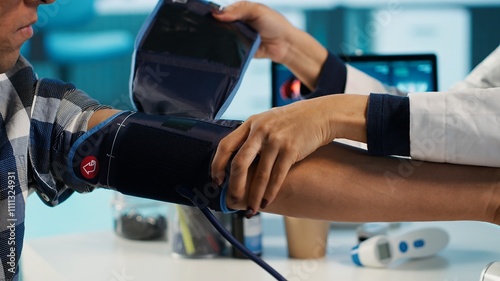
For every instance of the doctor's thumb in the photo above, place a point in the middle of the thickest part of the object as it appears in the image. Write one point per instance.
(242, 10)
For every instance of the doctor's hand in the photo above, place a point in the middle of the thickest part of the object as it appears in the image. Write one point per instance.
(273, 28)
(279, 138)
(280, 40)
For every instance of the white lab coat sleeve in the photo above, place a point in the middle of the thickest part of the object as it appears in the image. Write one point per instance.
(460, 126)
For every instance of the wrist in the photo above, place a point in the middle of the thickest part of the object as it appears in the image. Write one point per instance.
(304, 57)
(348, 116)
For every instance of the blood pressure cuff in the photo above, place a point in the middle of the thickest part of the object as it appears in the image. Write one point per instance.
(188, 64)
(152, 157)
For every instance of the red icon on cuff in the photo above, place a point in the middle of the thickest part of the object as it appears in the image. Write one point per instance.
(89, 167)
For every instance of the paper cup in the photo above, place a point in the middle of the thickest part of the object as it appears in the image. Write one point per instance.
(306, 238)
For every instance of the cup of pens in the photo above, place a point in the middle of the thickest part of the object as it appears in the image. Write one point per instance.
(192, 236)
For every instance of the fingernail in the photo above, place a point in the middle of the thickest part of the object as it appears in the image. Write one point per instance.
(217, 181)
(216, 8)
(214, 186)
(220, 10)
(249, 213)
(264, 203)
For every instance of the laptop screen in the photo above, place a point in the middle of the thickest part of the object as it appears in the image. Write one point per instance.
(408, 73)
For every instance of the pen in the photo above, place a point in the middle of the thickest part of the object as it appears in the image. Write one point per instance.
(187, 238)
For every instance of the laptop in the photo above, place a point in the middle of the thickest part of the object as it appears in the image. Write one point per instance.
(409, 73)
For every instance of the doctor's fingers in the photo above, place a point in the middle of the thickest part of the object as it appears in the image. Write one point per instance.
(272, 26)
(242, 10)
(273, 166)
(240, 165)
(225, 150)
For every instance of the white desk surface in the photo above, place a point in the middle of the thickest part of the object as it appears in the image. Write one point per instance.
(104, 256)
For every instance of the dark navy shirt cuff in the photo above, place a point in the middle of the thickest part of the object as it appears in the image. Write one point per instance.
(388, 125)
(331, 80)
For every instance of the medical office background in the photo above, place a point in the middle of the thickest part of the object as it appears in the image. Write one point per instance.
(460, 33)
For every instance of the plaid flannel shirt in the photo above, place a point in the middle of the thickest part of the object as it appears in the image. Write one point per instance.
(39, 120)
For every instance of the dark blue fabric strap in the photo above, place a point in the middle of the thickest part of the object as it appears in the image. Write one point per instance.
(388, 125)
(331, 80)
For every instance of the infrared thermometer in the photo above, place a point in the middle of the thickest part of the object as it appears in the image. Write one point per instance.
(381, 250)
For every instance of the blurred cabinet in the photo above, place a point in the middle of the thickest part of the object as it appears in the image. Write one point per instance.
(484, 32)
(384, 30)
(460, 33)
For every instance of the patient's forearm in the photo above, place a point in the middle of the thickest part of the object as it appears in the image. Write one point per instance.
(341, 183)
